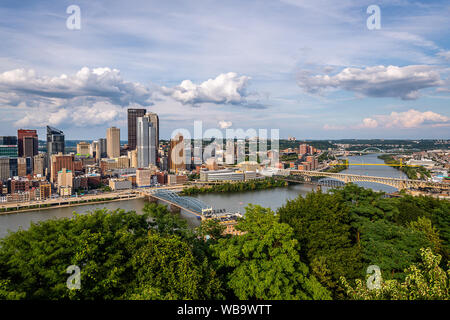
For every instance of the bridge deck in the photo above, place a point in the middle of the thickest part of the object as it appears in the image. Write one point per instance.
(189, 204)
(395, 182)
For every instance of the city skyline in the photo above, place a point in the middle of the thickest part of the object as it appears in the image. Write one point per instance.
(312, 70)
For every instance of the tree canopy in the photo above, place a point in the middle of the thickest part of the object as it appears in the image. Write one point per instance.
(264, 263)
(313, 247)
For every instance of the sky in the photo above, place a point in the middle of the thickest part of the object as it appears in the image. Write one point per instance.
(312, 69)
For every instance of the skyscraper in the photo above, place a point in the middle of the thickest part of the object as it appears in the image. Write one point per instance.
(55, 143)
(84, 148)
(177, 159)
(145, 143)
(4, 169)
(154, 119)
(133, 114)
(39, 164)
(27, 143)
(101, 149)
(113, 142)
(58, 162)
(8, 146)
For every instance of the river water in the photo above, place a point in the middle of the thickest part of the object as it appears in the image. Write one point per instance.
(370, 170)
(271, 198)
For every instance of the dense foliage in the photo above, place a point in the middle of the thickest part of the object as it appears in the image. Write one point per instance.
(314, 247)
(264, 263)
(342, 232)
(424, 281)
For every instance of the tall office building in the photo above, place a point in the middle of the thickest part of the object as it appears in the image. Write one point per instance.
(84, 148)
(133, 114)
(39, 164)
(230, 152)
(27, 143)
(8, 146)
(132, 155)
(4, 169)
(177, 159)
(154, 119)
(13, 167)
(100, 149)
(55, 143)
(93, 149)
(22, 166)
(113, 142)
(58, 162)
(145, 142)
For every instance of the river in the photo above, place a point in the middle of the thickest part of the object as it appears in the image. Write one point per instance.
(271, 198)
(377, 171)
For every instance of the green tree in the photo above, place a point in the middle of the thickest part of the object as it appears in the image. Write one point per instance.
(322, 224)
(165, 222)
(264, 262)
(393, 248)
(211, 229)
(33, 263)
(425, 226)
(424, 281)
(166, 268)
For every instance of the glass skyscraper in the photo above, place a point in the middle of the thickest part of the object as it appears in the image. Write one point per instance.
(146, 149)
(55, 143)
(133, 114)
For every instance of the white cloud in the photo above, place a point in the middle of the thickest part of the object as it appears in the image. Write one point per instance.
(88, 97)
(100, 83)
(225, 124)
(225, 88)
(78, 116)
(407, 119)
(444, 54)
(379, 81)
(370, 123)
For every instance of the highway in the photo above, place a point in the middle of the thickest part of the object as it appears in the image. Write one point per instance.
(81, 200)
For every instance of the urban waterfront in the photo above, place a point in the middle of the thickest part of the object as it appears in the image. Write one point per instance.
(271, 198)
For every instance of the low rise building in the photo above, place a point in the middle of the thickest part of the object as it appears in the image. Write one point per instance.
(429, 164)
(120, 184)
(143, 177)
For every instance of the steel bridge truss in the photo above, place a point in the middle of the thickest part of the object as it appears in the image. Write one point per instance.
(400, 184)
(189, 203)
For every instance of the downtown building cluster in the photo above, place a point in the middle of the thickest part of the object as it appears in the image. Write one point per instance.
(29, 172)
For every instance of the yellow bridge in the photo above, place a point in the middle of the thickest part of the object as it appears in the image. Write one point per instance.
(400, 164)
(400, 184)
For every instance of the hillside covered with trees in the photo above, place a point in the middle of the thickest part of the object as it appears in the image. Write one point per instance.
(317, 247)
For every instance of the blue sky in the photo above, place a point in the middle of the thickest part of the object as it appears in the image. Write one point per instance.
(309, 68)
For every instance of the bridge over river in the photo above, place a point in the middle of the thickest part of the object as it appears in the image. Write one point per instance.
(176, 202)
(400, 184)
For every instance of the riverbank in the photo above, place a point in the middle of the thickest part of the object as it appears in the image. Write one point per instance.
(62, 203)
(229, 187)
(337, 168)
(413, 173)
